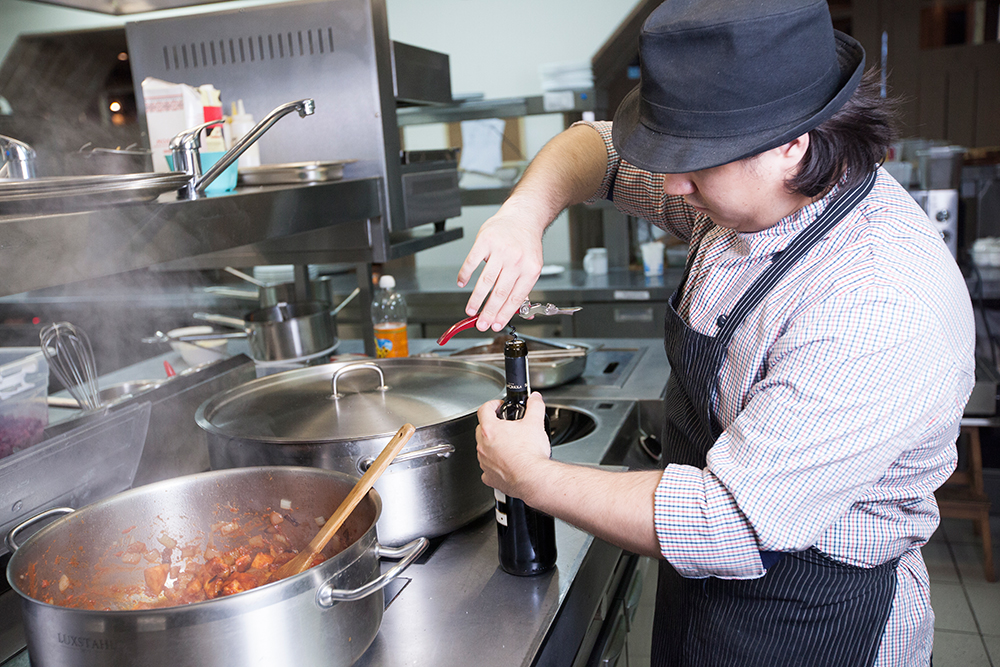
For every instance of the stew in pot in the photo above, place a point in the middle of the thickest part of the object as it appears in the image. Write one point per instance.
(237, 554)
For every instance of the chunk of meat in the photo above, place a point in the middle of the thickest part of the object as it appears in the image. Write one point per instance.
(216, 567)
(156, 577)
(244, 581)
(261, 561)
(213, 587)
(243, 562)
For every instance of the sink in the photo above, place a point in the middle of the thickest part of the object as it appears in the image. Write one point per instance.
(568, 424)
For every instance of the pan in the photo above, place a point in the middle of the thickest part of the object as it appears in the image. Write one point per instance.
(282, 332)
(550, 363)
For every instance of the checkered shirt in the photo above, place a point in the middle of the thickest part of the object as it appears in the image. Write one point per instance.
(840, 397)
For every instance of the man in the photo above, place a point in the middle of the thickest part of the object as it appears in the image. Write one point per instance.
(820, 343)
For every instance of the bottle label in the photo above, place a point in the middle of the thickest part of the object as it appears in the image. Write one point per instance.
(390, 340)
(501, 507)
(516, 370)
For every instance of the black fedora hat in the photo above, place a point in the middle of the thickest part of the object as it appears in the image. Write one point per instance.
(721, 80)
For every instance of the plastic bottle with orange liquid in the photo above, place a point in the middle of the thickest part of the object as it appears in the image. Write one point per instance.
(389, 320)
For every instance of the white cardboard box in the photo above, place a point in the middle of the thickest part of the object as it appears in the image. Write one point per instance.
(171, 108)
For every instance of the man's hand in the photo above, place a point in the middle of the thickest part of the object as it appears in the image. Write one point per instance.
(513, 454)
(567, 170)
(511, 247)
(615, 506)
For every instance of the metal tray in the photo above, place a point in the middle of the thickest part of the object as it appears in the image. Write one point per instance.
(293, 172)
(549, 364)
(77, 193)
(95, 460)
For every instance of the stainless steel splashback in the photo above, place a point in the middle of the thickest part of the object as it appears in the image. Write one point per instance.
(337, 52)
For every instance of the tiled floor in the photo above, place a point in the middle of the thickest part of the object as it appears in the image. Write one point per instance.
(966, 606)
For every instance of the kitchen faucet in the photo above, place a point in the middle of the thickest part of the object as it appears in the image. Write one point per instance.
(18, 159)
(186, 145)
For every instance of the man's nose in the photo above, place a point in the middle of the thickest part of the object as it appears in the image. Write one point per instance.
(678, 184)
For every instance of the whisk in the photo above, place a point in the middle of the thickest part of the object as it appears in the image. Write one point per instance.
(70, 356)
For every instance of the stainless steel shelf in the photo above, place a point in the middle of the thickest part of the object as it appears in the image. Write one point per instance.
(44, 250)
(508, 107)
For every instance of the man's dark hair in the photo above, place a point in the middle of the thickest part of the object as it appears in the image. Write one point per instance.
(852, 141)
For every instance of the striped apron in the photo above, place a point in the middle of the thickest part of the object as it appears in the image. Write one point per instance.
(808, 609)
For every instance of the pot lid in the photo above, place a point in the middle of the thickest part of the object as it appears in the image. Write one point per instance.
(299, 406)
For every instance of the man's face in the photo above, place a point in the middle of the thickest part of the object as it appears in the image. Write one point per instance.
(746, 196)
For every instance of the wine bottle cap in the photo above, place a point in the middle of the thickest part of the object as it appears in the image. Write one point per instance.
(515, 347)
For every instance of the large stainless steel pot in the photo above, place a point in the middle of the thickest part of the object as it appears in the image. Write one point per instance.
(327, 615)
(340, 416)
(282, 332)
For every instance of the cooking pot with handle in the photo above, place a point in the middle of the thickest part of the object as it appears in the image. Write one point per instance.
(282, 332)
(327, 615)
(339, 416)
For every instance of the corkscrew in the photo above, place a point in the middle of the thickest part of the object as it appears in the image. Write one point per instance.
(527, 311)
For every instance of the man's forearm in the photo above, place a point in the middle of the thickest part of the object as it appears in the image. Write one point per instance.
(568, 170)
(614, 506)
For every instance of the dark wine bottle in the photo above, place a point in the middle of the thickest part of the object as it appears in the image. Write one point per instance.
(526, 537)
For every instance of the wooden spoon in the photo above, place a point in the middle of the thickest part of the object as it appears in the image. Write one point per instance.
(302, 560)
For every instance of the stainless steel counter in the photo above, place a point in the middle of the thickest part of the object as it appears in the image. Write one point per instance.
(33, 248)
(460, 609)
(455, 606)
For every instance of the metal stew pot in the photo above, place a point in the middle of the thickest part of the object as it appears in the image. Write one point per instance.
(327, 615)
(282, 332)
(340, 416)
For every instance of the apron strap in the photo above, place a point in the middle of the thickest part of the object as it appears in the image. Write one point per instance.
(786, 259)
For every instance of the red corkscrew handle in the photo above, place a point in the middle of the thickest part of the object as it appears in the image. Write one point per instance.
(467, 323)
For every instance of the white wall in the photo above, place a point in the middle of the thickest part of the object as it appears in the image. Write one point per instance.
(495, 49)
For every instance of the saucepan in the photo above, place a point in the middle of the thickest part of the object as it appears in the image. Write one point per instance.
(285, 331)
(293, 330)
(270, 294)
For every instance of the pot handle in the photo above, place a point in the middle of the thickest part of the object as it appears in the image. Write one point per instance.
(231, 322)
(10, 539)
(327, 595)
(442, 450)
(358, 367)
(340, 306)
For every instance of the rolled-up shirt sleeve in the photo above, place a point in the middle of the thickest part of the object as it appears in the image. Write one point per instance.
(700, 528)
(639, 193)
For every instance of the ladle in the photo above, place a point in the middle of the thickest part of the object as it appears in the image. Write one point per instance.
(303, 560)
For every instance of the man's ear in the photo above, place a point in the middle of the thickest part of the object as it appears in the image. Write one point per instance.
(795, 149)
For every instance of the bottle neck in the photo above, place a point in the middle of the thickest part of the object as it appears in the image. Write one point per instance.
(515, 355)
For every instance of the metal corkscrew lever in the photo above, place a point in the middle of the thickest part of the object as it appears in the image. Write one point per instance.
(527, 311)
